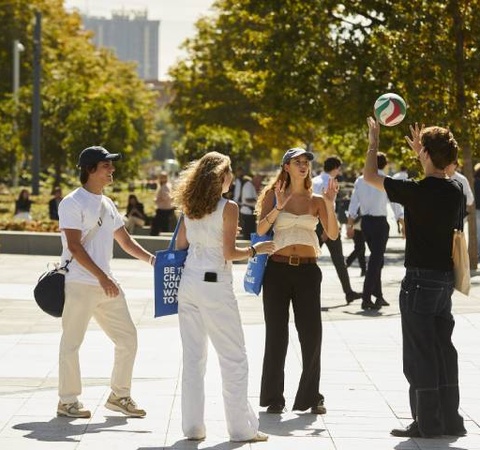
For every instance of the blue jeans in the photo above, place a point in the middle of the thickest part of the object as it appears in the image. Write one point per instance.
(429, 356)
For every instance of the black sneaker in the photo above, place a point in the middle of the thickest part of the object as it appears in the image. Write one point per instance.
(411, 431)
(319, 409)
(381, 302)
(368, 304)
(276, 409)
(351, 296)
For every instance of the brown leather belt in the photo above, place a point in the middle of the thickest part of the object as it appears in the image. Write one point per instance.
(294, 260)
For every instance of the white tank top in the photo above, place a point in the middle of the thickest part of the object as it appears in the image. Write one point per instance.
(205, 238)
(292, 229)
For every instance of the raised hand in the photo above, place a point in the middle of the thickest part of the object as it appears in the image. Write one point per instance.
(330, 193)
(373, 133)
(415, 142)
(280, 195)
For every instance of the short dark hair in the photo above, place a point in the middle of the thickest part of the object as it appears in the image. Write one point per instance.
(381, 160)
(332, 163)
(440, 144)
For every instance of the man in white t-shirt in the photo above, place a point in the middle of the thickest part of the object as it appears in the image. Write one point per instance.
(90, 287)
(332, 167)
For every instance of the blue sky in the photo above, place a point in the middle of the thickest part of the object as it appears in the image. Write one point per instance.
(177, 20)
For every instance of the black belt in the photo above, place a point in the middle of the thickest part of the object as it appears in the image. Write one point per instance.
(293, 260)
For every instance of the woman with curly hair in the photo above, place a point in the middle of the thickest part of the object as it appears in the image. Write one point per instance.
(207, 307)
(292, 276)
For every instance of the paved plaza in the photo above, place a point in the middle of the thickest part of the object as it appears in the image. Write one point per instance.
(362, 380)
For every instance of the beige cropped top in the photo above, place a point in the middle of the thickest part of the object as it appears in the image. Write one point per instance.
(290, 229)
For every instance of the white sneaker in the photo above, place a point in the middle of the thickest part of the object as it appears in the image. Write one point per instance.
(259, 437)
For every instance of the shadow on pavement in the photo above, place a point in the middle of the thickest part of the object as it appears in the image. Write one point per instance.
(62, 429)
(274, 424)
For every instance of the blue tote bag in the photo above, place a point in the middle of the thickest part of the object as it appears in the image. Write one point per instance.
(167, 273)
(253, 279)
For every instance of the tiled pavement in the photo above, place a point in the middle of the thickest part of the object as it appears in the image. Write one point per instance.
(362, 380)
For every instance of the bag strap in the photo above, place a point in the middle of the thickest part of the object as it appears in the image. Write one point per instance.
(461, 213)
(174, 236)
(91, 234)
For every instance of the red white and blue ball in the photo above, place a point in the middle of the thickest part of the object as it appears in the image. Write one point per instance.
(390, 109)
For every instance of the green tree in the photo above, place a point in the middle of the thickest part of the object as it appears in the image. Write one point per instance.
(89, 97)
(203, 139)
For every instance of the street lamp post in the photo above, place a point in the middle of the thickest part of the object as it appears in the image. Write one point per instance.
(17, 49)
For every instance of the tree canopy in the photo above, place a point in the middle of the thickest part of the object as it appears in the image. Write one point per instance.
(89, 97)
(308, 72)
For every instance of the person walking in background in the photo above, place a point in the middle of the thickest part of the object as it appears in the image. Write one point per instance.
(23, 205)
(54, 202)
(331, 169)
(245, 195)
(90, 287)
(432, 212)
(372, 205)
(469, 199)
(401, 175)
(165, 212)
(207, 307)
(135, 215)
(292, 276)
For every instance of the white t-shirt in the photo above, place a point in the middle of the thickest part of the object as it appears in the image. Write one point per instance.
(80, 210)
(248, 191)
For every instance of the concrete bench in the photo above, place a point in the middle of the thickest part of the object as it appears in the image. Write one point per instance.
(38, 243)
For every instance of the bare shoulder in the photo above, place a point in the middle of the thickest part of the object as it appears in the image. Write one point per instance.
(231, 207)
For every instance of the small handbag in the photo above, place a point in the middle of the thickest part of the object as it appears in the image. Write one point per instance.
(253, 279)
(461, 260)
(49, 292)
(167, 273)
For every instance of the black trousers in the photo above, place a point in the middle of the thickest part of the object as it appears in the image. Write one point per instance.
(375, 229)
(299, 285)
(336, 253)
(248, 224)
(430, 361)
(162, 222)
(358, 251)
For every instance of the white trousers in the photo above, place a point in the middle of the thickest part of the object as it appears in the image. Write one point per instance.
(210, 310)
(82, 301)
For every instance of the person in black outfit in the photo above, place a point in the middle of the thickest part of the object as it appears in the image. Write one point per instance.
(23, 205)
(432, 211)
(54, 202)
(135, 215)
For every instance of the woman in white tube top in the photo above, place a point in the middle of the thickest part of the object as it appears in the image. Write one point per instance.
(207, 307)
(288, 206)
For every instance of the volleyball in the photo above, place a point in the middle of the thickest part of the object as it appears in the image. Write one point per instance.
(390, 109)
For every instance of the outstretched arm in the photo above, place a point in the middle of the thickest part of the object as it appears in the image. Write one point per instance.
(370, 171)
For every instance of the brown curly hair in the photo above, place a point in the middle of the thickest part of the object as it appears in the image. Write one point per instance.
(282, 174)
(199, 187)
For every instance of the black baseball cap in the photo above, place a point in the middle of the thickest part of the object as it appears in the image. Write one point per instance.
(95, 154)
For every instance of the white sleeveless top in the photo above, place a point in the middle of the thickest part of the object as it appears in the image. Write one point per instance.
(205, 238)
(292, 229)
